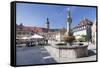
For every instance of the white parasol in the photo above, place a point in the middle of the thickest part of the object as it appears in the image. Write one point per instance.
(36, 36)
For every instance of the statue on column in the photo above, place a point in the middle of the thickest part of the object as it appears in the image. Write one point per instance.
(69, 21)
(68, 37)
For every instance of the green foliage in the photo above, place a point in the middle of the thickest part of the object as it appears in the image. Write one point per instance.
(83, 38)
(69, 39)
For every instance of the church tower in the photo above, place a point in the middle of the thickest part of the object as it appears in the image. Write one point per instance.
(47, 24)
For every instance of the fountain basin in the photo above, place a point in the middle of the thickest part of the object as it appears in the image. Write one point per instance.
(74, 51)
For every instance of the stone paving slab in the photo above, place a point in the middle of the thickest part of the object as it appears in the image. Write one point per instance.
(33, 55)
(45, 55)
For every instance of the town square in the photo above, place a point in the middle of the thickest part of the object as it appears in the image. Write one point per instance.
(56, 34)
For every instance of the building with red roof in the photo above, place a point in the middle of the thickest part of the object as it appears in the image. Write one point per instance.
(83, 28)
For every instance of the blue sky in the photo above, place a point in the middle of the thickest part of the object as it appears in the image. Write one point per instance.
(36, 14)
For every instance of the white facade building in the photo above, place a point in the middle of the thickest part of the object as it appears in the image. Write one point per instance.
(94, 33)
(83, 28)
(79, 33)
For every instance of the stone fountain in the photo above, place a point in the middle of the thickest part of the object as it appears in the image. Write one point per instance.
(70, 50)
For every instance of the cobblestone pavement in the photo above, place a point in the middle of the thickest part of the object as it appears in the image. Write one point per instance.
(44, 55)
(33, 55)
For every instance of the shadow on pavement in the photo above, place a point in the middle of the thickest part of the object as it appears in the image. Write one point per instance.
(91, 53)
(33, 55)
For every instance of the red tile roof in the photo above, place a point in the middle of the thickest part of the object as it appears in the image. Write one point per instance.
(28, 28)
(84, 23)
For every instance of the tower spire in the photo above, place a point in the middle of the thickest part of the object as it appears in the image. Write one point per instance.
(47, 24)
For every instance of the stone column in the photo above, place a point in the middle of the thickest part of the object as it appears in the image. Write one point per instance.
(69, 21)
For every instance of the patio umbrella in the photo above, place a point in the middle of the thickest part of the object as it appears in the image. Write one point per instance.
(36, 36)
(25, 38)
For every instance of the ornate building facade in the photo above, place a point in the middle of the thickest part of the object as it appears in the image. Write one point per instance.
(83, 28)
(22, 31)
(50, 34)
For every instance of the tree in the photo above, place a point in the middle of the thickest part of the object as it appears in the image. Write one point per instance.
(83, 38)
(69, 39)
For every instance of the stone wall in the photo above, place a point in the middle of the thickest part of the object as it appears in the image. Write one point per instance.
(70, 51)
